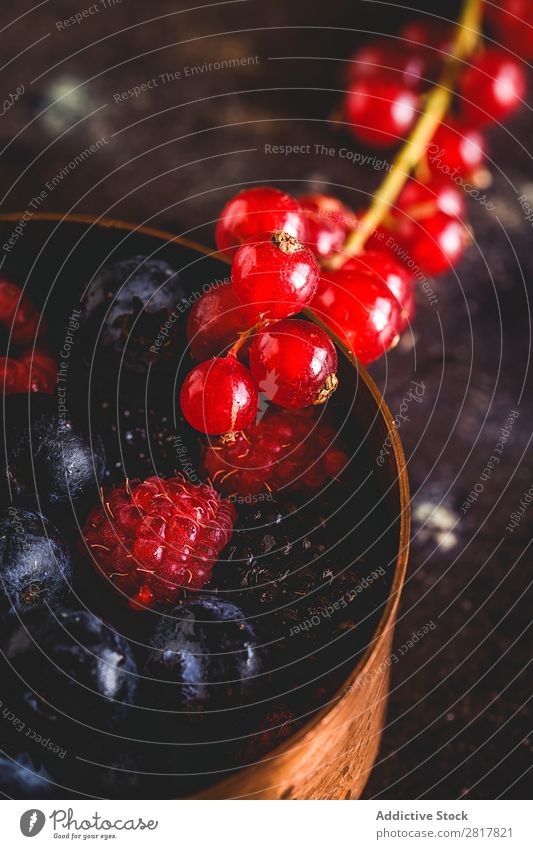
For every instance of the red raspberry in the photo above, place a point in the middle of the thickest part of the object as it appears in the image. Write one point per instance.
(156, 538)
(287, 448)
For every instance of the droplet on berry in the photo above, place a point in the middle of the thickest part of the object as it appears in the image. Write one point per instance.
(327, 223)
(294, 363)
(380, 111)
(275, 275)
(258, 210)
(215, 322)
(492, 88)
(219, 396)
(361, 310)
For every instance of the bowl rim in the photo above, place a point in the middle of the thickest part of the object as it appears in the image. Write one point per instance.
(388, 616)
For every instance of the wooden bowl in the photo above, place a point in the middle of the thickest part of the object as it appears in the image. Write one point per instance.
(331, 756)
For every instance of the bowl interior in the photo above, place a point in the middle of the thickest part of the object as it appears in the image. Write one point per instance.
(56, 259)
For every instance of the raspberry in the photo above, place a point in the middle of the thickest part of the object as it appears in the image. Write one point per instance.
(155, 538)
(286, 448)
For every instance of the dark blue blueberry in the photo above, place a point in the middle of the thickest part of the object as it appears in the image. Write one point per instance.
(71, 666)
(22, 777)
(48, 455)
(35, 564)
(132, 311)
(207, 656)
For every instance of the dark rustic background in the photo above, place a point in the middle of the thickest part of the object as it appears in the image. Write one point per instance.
(459, 714)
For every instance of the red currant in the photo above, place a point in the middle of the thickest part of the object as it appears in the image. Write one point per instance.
(18, 314)
(492, 88)
(254, 211)
(380, 111)
(360, 309)
(274, 274)
(420, 199)
(215, 322)
(381, 59)
(327, 222)
(219, 396)
(11, 376)
(429, 38)
(435, 243)
(512, 22)
(294, 363)
(456, 150)
(381, 264)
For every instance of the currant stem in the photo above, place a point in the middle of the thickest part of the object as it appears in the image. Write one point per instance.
(236, 347)
(438, 102)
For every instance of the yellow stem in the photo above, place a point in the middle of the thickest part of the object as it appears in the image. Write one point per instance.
(437, 104)
(236, 347)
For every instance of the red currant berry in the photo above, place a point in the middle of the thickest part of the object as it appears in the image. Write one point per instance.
(380, 111)
(456, 150)
(11, 376)
(381, 59)
(429, 38)
(215, 322)
(219, 396)
(435, 243)
(254, 211)
(512, 23)
(327, 222)
(294, 363)
(397, 278)
(492, 88)
(275, 275)
(360, 309)
(418, 200)
(18, 314)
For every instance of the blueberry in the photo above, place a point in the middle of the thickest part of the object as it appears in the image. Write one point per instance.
(206, 657)
(34, 562)
(70, 666)
(49, 456)
(127, 307)
(22, 777)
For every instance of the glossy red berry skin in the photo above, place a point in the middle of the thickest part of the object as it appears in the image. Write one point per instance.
(420, 199)
(492, 88)
(40, 371)
(296, 449)
(18, 314)
(512, 24)
(428, 38)
(155, 539)
(294, 363)
(258, 210)
(435, 244)
(397, 278)
(456, 150)
(380, 111)
(219, 396)
(215, 321)
(327, 223)
(361, 309)
(275, 275)
(380, 59)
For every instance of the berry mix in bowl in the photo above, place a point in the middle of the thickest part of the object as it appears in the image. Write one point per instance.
(199, 552)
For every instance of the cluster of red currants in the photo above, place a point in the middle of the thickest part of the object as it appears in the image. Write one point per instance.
(274, 275)
(33, 369)
(387, 80)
